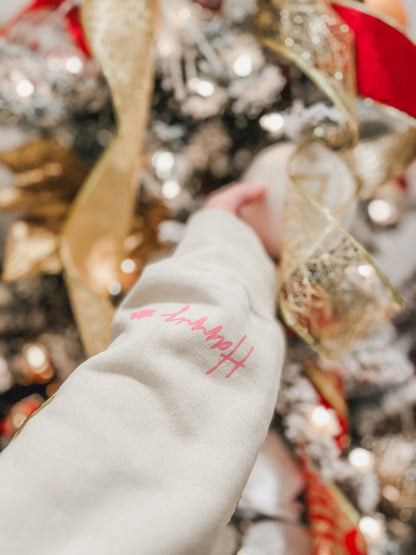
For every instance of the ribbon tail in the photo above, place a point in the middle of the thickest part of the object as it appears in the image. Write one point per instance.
(120, 35)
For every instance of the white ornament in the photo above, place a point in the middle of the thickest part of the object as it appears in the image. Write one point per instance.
(266, 215)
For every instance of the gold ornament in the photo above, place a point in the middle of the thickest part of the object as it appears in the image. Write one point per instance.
(120, 35)
(47, 176)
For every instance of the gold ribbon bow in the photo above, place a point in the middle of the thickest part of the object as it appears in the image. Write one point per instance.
(120, 35)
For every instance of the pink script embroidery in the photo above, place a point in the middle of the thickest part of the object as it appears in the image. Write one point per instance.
(142, 314)
(211, 335)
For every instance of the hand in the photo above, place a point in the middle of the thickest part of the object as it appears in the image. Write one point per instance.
(232, 198)
(252, 203)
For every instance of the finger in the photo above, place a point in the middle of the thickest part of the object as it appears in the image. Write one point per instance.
(250, 192)
(234, 196)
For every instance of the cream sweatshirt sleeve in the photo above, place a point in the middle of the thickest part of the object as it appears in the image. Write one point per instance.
(146, 448)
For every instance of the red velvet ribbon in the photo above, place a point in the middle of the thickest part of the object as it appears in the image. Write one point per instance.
(72, 21)
(385, 58)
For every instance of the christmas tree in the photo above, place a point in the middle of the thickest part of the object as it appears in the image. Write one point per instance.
(184, 97)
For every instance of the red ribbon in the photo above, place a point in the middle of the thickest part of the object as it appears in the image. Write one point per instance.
(331, 526)
(72, 21)
(385, 58)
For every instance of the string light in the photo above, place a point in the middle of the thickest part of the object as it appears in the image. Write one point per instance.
(128, 266)
(202, 87)
(320, 416)
(243, 65)
(380, 211)
(323, 420)
(166, 47)
(361, 459)
(163, 163)
(37, 366)
(371, 528)
(36, 356)
(272, 122)
(391, 493)
(74, 65)
(25, 88)
(365, 270)
(171, 189)
(114, 288)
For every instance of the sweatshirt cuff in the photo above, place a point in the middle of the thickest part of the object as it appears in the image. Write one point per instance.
(235, 246)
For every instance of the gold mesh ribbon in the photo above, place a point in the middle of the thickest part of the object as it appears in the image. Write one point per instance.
(332, 291)
(120, 34)
(376, 160)
(310, 34)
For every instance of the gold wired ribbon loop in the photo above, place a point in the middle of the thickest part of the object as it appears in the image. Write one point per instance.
(120, 35)
(332, 291)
